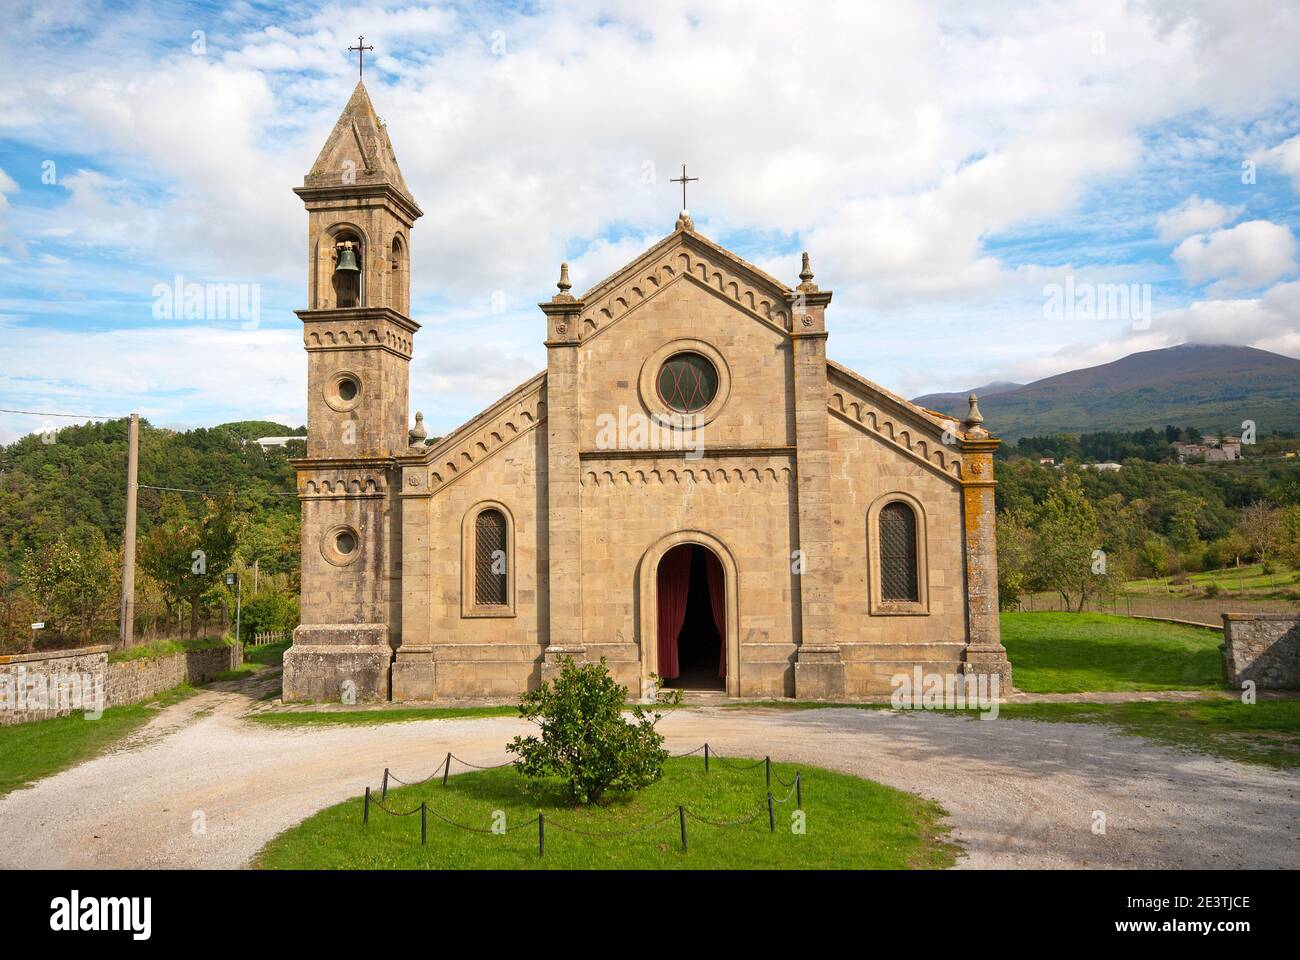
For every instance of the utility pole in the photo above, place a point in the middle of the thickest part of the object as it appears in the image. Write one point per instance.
(127, 632)
(234, 580)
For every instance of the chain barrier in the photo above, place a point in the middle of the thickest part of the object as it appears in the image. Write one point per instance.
(681, 812)
(476, 766)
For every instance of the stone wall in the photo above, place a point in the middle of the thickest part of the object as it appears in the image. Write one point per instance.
(130, 681)
(1263, 647)
(55, 683)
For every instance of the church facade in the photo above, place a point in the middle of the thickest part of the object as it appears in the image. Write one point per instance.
(690, 489)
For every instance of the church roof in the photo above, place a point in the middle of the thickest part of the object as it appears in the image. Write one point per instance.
(358, 150)
(685, 231)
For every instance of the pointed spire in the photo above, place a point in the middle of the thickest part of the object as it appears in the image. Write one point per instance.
(358, 150)
(974, 419)
(565, 286)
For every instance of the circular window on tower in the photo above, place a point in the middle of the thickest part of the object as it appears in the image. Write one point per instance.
(687, 382)
(343, 391)
(340, 545)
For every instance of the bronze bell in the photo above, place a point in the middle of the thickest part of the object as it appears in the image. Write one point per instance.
(347, 260)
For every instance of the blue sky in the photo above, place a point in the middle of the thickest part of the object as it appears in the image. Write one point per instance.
(945, 167)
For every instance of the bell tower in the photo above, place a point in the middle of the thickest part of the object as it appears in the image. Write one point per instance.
(358, 337)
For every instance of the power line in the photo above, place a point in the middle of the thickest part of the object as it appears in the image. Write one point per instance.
(213, 493)
(70, 416)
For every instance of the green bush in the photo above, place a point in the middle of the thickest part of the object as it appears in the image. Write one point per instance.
(268, 611)
(584, 738)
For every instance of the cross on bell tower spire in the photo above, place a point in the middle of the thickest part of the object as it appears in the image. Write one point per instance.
(360, 48)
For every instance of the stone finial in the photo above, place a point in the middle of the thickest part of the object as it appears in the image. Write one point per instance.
(806, 275)
(418, 433)
(684, 221)
(564, 285)
(974, 419)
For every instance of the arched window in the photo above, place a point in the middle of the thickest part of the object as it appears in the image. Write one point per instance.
(487, 561)
(898, 559)
(397, 277)
(347, 266)
(490, 559)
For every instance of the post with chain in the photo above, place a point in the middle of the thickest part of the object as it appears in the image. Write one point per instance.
(446, 768)
(365, 811)
(424, 823)
(771, 814)
(681, 816)
(767, 762)
(541, 834)
(798, 790)
(383, 792)
(706, 758)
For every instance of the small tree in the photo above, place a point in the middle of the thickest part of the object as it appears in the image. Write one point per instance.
(1068, 557)
(585, 739)
(187, 555)
(74, 580)
(1015, 558)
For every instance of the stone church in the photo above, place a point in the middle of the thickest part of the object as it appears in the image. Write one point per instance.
(690, 489)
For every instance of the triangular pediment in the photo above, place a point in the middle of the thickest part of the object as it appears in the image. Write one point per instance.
(358, 150)
(686, 255)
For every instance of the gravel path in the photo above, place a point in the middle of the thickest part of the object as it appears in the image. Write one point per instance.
(1019, 793)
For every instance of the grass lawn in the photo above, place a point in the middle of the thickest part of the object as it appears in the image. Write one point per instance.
(1092, 652)
(1267, 732)
(164, 648)
(851, 824)
(365, 717)
(30, 751)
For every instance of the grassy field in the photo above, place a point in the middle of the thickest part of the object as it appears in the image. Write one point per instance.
(850, 824)
(1267, 732)
(1248, 581)
(30, 751)
(1094, 652)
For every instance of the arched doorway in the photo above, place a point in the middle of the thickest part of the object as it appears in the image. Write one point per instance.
(691, 595)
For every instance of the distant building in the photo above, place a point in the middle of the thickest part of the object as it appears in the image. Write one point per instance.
(1047, 461)
(1210, 449)
(267, 443)
(1108, 465)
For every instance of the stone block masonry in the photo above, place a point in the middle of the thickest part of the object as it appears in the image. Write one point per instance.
(1263, 647)
(130, 681)
(56, 683)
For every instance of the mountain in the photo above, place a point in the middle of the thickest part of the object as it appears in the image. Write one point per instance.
(1210, 387)
(946, 401)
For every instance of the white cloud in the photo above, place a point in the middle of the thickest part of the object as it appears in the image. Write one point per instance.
(184, 374)
(1244, 257)
(1285, 157)
(1268, 322)
(7, 185)
(895, 140)
(1194, 215)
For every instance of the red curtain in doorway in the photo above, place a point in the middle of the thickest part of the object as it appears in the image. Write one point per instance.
(718, 600)
(674, 586)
